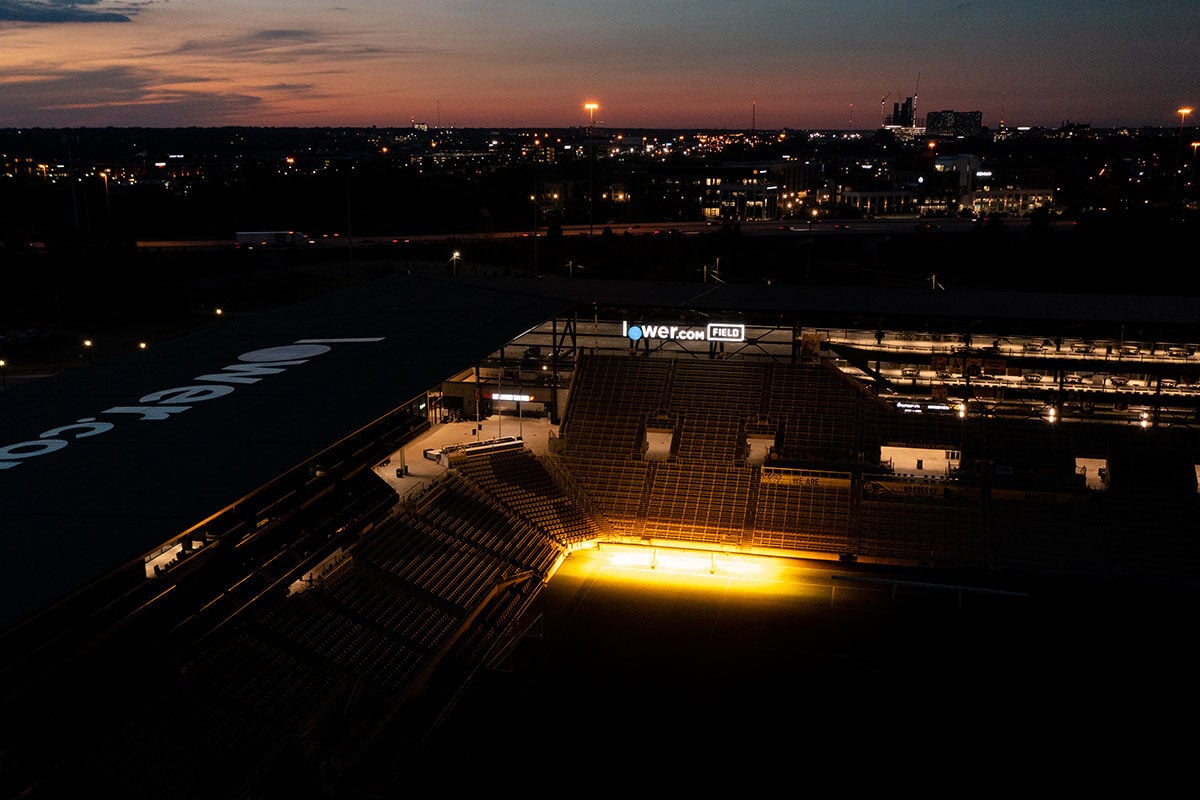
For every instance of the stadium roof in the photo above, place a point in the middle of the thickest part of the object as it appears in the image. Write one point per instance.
(99, 466)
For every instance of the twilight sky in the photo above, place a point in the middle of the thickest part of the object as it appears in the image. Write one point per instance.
(648, 63)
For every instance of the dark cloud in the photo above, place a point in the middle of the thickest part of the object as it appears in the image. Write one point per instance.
(281, 45)
(119, 96)
(52, 11)
(289, 87)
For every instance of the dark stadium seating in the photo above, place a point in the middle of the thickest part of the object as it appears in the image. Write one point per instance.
(1035, 515)
(520, 483)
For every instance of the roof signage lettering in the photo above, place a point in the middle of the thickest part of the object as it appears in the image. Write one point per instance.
(712, 332)
(166, 403)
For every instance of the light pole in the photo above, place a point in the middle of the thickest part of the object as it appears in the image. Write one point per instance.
(4, 372)
(812, 217)
(107, 204)
(534, 199)
(591, 107)
(1192, 180)
(454, 262)
(1183, 112)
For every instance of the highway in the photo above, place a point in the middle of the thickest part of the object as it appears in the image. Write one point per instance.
(777, 228)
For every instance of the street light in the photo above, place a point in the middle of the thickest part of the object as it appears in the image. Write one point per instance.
(107, 206)
(1183, 112)
(1192, 180)
(591, 107)
(812, 216)
(533, 198)
(3, 372)
(454, 257)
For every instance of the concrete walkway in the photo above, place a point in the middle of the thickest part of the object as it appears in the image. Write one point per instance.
(418, 472)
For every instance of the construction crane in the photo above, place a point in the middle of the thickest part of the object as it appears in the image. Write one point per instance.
(914, 102)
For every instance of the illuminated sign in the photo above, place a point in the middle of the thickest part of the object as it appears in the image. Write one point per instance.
(712, 332)
(917, 408)
(724, 332)
(809, 478)
(166, 403)
(519, 398)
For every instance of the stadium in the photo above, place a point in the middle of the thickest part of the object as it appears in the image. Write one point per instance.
(463, 535)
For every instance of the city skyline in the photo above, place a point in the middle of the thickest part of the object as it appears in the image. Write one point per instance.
(765, 65)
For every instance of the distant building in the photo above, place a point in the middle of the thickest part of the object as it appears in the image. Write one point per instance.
(958, 170)
(904, 115)
(740, 191)
(1013, 201)
(954, 123)
(904, 122)
(880, 203)
(1012, 192)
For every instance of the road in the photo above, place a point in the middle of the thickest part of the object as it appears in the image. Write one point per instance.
(779, 228)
